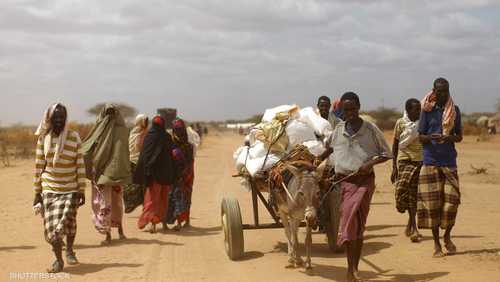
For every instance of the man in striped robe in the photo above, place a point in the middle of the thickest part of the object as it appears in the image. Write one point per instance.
(59, 182)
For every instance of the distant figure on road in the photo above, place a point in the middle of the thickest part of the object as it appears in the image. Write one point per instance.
(180, 197)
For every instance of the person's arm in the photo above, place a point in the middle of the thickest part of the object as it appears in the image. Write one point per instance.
(395, 149)
(422, 130)
(80, 172)
(40, 164)
(384, 154)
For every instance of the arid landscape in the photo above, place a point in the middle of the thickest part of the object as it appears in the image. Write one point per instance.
(197, 253)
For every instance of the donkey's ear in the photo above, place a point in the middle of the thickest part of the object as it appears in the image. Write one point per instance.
(294, 170)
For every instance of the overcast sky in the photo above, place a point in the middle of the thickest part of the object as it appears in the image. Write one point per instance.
(220, 59)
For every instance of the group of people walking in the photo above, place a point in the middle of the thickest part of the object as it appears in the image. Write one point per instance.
(424, 167)
(156, 169)
(149, 163)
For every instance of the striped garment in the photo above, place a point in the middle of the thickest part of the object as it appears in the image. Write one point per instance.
(64, 176)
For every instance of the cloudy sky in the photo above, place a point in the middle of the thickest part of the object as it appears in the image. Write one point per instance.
(219, 59)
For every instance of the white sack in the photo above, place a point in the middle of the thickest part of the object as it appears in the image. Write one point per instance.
(255, 165)
(298, 133)
(258, 150)
(320, 125)
(240, 157)
(315, 147)
(269, 114)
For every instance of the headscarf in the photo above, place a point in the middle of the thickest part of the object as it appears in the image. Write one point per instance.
(337, 109)
(44, 131)
(449, 113)
(105, 150)
(410, 132)
(136, 137)
(181, 139)
(155, 161)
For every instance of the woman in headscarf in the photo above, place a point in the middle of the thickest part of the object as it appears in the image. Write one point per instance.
(106, 155)
(59, 182)
(136, 138)
(155, 170)
(133, 194)
(180, 197)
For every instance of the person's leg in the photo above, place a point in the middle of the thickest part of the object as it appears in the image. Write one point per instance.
(58, 265)
(358, 248)
(450, 208)
(438, 251)
(448, 244)
(117, 210)
(350, 253)
(70, 254)
(415, 235)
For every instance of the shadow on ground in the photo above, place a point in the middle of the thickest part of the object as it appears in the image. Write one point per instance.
(128, 241)
(15, 248)
(87, 268)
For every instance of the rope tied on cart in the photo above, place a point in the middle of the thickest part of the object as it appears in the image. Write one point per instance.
(280, 174)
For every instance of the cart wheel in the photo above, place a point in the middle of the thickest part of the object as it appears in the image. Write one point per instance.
(332, 230)
(232, 227)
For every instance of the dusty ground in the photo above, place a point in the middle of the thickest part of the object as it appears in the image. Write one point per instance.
(198, 254)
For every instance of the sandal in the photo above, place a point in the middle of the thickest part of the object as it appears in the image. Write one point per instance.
(71, 259)
(57, 267)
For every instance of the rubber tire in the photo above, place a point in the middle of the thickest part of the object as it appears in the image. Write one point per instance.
(232, 228)
(332, 228)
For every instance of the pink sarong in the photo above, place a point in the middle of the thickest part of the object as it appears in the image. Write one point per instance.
(107, 207)
(356, 197)
(155, 204)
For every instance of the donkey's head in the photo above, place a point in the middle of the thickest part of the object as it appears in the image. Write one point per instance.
(305, 191)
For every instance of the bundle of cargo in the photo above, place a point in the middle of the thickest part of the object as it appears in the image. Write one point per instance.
(282, 128)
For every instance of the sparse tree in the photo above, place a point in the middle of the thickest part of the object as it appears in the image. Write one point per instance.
(497, 106)
(126, 111)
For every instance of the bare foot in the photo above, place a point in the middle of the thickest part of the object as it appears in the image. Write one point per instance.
(152, 229)
(177, 227)
(450, 247)
(122, 236)
(408, 231)
(415, 238)
(165, 227)
(357, 277)
(107, 241)
(438, 252)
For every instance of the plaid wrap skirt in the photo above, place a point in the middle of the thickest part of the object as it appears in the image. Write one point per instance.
(407, 185)
(59, 215)
(438, 197)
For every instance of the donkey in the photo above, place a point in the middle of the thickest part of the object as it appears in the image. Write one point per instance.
(295, 205)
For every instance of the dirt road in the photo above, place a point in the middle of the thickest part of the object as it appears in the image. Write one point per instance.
(198, 254)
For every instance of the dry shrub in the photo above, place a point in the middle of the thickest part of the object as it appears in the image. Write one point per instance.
(470, 129)
(82, 128)
(21, 140)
